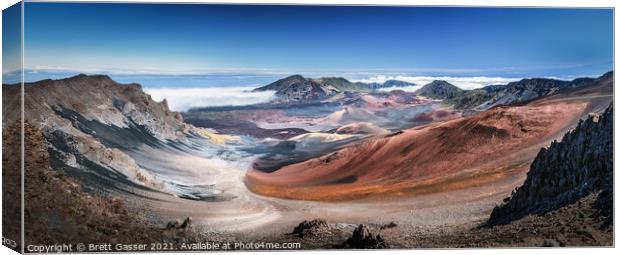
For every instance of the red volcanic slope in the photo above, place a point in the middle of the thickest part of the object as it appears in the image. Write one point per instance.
(455, 154)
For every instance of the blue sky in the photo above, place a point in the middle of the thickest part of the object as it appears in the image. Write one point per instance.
(11, 38)
(318, 39)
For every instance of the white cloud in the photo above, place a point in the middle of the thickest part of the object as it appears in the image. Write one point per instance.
(182, 99)
(407, 88)
(461, 82)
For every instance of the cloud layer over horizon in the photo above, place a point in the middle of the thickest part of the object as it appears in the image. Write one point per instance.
(183, 99)
(466, 83)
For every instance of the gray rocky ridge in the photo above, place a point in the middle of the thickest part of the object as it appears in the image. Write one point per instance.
(580, 164)
(91, 120)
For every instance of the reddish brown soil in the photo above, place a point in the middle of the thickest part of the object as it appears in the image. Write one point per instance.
(424, 117)
(434, 116)
(460, 153)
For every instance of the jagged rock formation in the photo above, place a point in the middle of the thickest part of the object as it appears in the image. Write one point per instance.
(568, 170)
(363, 238)
(176, 229)
(439, 90)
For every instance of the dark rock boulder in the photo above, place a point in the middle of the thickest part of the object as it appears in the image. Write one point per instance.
(363, 238)
(179, 230)
(177, 224)
(316, 227)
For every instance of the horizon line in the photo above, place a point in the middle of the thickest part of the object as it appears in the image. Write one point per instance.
(413, 72)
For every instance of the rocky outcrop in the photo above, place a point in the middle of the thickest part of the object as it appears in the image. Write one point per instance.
(179, 230)
(565, 171)
(92, 122)
(363, 238)
(439, 90)
(316, 228)
(95, 98)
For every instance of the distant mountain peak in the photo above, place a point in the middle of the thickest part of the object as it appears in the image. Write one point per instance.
(439, 89)
(296, 88)
(397, 83)
(333, 78)
(522, 91)
(440, 83)
(295, 77)
(282, 83)
(607, 75)
(93, 77)
(299, 88)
